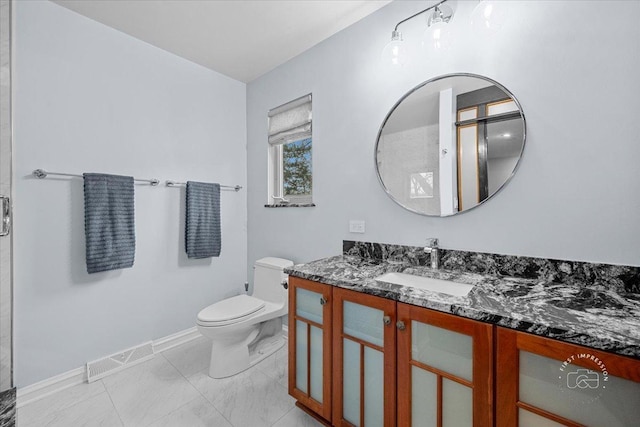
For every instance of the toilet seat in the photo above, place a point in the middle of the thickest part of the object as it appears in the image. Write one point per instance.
(231, 310)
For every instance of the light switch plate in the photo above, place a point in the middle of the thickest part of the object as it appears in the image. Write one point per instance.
(356, 226)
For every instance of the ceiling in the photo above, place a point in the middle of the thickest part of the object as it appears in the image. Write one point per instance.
(241, 39)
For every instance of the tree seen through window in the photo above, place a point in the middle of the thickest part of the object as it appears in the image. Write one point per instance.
(296, 164)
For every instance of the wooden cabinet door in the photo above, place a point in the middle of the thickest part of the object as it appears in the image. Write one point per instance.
(445, 369)
(310, 320)
(545, 382)
(364, 365)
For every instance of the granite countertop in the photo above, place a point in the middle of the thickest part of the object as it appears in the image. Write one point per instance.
(587, 315)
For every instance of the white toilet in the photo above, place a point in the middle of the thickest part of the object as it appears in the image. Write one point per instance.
(246, 329)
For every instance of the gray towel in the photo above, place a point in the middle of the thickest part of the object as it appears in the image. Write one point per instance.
(109, 222)
(202, 222)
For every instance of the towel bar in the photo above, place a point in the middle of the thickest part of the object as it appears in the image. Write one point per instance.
(176, 184)
(41, 174)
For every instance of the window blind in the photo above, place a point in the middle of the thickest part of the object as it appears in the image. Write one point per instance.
(290, 122)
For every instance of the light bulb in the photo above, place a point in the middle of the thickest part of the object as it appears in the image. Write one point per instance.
(395, 52)
(489, 16)
(438, 36)
(438, 33)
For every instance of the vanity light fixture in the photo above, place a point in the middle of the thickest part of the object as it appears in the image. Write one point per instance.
(395, 51)
(489, 16)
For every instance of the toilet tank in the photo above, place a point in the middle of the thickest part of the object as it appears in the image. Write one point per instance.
(268, 277)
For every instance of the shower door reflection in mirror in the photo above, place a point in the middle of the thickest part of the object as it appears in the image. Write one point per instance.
(489, 141)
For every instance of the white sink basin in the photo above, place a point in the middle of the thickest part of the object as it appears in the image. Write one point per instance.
(427, 283)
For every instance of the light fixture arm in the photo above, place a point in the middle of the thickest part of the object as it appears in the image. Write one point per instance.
(419, 13)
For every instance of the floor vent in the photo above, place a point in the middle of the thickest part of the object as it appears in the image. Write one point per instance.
(116, 362)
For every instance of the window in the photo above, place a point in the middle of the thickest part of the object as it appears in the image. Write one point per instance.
(290, 170)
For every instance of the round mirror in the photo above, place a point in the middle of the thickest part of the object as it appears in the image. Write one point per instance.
(450, 144)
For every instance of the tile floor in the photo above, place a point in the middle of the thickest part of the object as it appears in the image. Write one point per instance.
(174, 390)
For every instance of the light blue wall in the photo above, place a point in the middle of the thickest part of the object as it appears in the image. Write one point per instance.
(91, 99)
(576, 194)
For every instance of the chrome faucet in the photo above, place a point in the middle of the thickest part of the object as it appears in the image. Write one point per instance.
(432, 250)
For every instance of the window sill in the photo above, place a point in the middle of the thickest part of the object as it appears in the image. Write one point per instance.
(291, 205)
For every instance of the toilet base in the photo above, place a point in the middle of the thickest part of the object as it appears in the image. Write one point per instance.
(266, 351)
(231, 358)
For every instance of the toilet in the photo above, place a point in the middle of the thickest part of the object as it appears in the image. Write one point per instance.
(246, 329)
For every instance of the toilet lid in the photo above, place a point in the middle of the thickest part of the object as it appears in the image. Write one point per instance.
(230, 310)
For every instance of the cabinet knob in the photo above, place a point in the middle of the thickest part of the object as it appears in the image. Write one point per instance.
(323, 301)
(386, 320)
(400, 325)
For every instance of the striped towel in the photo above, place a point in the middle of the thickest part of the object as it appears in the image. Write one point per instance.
(202, 223)
(109, 223)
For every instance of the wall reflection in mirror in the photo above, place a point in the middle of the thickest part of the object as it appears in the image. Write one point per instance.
(450, 144)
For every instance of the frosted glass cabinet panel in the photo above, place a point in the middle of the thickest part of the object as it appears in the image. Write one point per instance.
(529, 419)
(307, 305)
(545, 382)
(351, 399)
(443, 349)
(444, 368)
(424, 409)
(310, 345)
(363, 322)
(316, 363)
(374, 387)
(363, 345)
(457, 404)
(302, 356)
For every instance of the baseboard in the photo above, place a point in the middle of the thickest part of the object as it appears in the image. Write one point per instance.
(44, 388)
(174, 340)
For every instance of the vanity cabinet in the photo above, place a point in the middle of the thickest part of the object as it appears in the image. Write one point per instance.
(361, 360)
(310, 323)
(544, 382)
